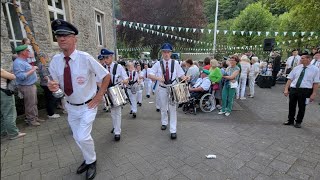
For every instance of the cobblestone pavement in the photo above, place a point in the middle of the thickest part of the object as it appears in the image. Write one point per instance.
(251, 143)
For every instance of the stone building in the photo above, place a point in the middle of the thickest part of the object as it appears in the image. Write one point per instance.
(93, 18)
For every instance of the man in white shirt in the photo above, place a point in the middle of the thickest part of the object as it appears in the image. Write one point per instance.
(254, 71)
(76, 73)
(166, 71)
(303, 81)
(316, 60)
(292, 61)
(147, 81)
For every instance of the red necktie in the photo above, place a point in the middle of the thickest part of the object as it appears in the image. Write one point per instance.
(146, 73)
(130, 76)
(167, 72)
(109, 69)
(67, 78)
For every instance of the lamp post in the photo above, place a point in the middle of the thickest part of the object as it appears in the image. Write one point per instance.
(215, 29)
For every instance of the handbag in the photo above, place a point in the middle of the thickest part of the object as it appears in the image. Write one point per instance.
(233, 85)
(215, 86)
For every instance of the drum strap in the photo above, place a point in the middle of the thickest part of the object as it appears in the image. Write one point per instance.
(163, 71)
(114, 72)
(133, 76)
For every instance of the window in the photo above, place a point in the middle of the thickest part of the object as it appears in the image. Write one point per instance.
(56, 11)
(15, 28)
(99, 25)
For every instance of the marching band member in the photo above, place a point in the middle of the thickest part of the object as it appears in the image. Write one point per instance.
(76, 72)
(132, 88)
(147, 80)
(166, 71)
(118, 75)
(139, 93)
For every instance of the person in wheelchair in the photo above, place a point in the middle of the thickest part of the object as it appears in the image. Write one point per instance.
(201, 87)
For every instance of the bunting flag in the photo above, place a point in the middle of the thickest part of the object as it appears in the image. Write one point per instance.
(202, 30)
(218, 31)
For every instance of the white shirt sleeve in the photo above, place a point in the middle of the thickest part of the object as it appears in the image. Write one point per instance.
(206, 83)
(97, 69)
(179, 70)
(123, 73)
(154, 70)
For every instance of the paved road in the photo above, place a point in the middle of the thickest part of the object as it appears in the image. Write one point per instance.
(250, 144)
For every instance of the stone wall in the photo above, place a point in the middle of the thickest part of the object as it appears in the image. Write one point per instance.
(81, 13)
(6, 54)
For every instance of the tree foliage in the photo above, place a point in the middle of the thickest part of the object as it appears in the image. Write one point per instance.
(254, 18)
(162, 12)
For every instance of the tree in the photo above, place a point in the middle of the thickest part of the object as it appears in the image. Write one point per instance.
(182, 13)
(254, 18)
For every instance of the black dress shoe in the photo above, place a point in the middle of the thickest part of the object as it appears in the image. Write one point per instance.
(91, 172)
(134, 115)
(117, 137)
(173, 135)
(112, 130)
(288, 123)
(148, 96)
(82, 168)
(140, 104)
(158, 110)
(130, 112)
(297, 125)
(163, 127)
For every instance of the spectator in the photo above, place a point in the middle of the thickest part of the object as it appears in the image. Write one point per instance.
(254, 71)
(8, 108)
(31, 59)
(245, 69)
(215, 78)
(51, 101)
(26, 79)
(206, 63)
(192, 71)
(231, 75)
(276, 66)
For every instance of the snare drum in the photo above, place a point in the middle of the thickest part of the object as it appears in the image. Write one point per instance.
(117, 96)
(134, 88)
(180, 93)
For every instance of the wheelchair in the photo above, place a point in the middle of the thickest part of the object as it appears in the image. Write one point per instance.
(205, 101)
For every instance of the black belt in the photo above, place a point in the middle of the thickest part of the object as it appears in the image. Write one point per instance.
(80, 103)
(302, 88)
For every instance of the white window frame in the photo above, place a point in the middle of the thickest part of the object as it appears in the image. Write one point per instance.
(24, 34)
(57, 10)
(101, 24)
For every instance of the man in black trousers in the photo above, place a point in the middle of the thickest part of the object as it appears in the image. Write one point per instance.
(276, 66)
(303, 81)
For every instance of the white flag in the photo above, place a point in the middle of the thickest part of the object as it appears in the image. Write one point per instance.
(242, 32)
(179, 38)
(187, 29)
(152, 31)
(136, 27)
(201, 30)
(259, 33)
(296, 40)
(158, 27)
(172, 28)
(165, 27)
(118, 22)
(142, 29)
(162, 34)
(209, 30)
(267, 33)
(276, 33)
(250, 33)
(175, 37)
(293, 33)
(124, 23)
(158, 33)
(218, 31)
(289, 41)
(302, 33)
(171, 36)
(284, 33)
(225, 31)
(233, 32)
(179, 29)
(151, 25)
(144, 25)
(130, 25)
(183, 39)
(309, 38)
(283, 42)
(194, 29)
(147, 30)
(311, 33)
(167, 35)
(316, 37)
(138, 24)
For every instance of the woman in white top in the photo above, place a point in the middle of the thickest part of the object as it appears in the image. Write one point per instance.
(245, 69)
(254, 71)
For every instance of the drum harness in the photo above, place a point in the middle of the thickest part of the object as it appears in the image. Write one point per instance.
(168, 84)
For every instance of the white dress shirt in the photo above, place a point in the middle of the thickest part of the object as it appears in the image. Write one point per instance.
(143, 73)
(255, 68)
(85, 70)
(310, 77)
(157, 70)
(296, 59)
(316, 63)
(120, 73)
(205, 83)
